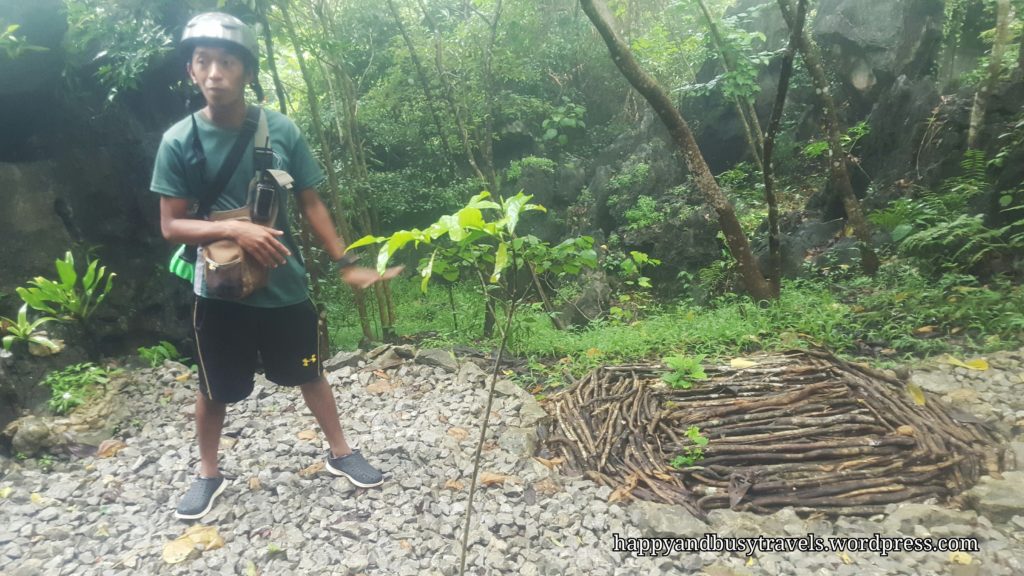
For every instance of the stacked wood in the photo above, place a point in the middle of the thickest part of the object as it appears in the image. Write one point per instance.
(802, 429)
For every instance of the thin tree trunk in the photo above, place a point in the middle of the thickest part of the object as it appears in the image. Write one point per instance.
(1004, 13)
(486, 140)
(774, 248)
(752, 126)
(325, 149)
(449, 93)
(839, 174)
(424, 83)
(754, 281)
(268, 39)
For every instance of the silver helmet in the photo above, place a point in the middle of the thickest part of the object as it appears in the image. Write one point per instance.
(220, 27)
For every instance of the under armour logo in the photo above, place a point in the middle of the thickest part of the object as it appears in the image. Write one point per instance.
(308, 361)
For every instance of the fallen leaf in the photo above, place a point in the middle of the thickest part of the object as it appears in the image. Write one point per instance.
(624, 491)
(250, 568)
(959, 558)
(380, 387)
(109, 448)
(905, 430)
(312, 469)
(405, 545)
(845, 558)
(916, 393)
(592, 352)
(205, 536)
(255, 484)
(177, 551)
(550, 464)
(977, 364)
(442, 418)
(183, 376)
(102, 531)
(37, 498)
(227, 442)
(309, 435)
(740, 363)
(455, 485)
(925, 329)
(6, 491)
(380, 374)
(750, 560)
(458, 433)
(490, 478)
(547, 486)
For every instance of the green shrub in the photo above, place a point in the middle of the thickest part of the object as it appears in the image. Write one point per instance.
(73, 385)
(156, 355)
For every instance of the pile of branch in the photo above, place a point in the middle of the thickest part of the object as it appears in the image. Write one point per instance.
(801, 429)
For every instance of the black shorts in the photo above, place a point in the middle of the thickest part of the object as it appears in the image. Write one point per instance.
(229, 336)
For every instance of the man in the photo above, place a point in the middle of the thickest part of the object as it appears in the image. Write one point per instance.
(277, 322)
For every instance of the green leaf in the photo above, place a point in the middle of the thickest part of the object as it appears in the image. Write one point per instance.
(91, 277)
(427, 271)
(901, 232)
(366, 241)
(66, 271)
(470, 217)
(550, 134)
(500, 261)
(382, 258)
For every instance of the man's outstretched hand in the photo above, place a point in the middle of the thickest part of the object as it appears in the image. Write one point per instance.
(361, 277)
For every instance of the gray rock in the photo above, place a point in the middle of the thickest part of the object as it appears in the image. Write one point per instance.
(437, 358)
(386, 361)
(521, 442)
(662, 520)
(999, 500)
(908, 515)
(343, 359)
(531, 413)
(31, 435)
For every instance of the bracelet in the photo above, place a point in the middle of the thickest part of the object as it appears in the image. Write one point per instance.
(345, 261)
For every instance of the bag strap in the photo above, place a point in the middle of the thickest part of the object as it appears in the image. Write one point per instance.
(262, 153)
(227, 169)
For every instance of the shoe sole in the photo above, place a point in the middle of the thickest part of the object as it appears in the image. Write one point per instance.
(337, 472)
(209, 505)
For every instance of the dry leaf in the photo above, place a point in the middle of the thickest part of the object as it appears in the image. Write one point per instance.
(309, 435)
(380, 387)
(380, 374)
(205, 536)
(977, 364)
(547, 486)
(925, 329)
(490, 478)
(550, 464)
(845, 558)
(455, 485)
(109, 448)
(442, 418)
(6, 491)
(250, 568)
(624, 491)
(177, 551)
(312, 469)
(37, 498)
(905, 430)
(959, 558)
(183, 376)
(458, 433)
(255, 484)
(916, 393)
(592, 352)
(750, 560)
(405, 544)
(741, 363)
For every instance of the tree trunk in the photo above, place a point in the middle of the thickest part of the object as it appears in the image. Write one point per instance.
(268, 39)
(449, 94)
(752, 127)
(774, 251)
(1004, 13)
(325, 150)
(838, 172)
(424, 83)
(754, 281)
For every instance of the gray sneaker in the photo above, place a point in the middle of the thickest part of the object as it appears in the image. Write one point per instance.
(199, 498)
(355, 468)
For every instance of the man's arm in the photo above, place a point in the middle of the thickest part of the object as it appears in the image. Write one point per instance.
(319, 219)
(259, 241)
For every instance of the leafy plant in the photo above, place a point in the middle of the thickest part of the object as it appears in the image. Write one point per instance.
(71, 296)
(692, 454)
(14, 46)
(21, 330)
(564, 120)
(685, 371)
(848, 140)
(73, 385)
(645, 214)
(156, 355)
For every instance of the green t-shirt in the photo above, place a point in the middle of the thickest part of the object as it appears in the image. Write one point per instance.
(287, 284)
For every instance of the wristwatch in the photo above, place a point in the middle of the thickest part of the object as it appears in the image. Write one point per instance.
(345, 261)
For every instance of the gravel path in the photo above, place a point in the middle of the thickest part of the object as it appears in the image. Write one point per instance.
(417, 419)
